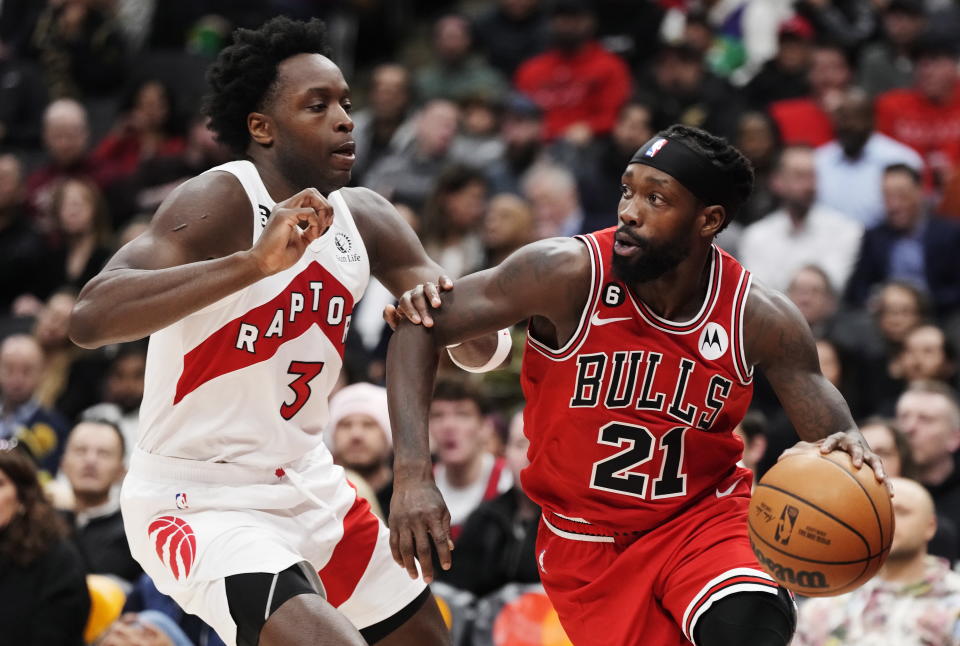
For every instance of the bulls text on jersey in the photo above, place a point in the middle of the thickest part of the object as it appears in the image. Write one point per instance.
(626, 379)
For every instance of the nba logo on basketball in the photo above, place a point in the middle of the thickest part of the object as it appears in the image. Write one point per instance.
(182, 501)
(655, 147)
(175, 543)
(788, 518)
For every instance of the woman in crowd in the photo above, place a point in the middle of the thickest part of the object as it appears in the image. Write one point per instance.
(43, 590)
(453, 216)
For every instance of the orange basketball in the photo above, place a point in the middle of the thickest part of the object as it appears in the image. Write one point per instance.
(819, 526)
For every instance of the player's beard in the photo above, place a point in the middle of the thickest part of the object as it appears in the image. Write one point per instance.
(653, 260)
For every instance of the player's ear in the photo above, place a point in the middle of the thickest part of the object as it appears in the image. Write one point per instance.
(713, 216)
(260, 128)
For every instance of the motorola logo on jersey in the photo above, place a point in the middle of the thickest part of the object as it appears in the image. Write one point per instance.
(713, 341)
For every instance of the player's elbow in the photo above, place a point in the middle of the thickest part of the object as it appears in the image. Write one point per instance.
(86, 326)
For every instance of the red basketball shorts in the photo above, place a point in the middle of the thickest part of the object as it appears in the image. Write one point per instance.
(651, 590)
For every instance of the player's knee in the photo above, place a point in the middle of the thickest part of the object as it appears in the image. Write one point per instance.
(755, 618)
(254, 596)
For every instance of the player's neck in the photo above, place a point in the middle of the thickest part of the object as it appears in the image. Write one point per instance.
(464, 474)
(678, 294)
(278, 186)
(905, 570)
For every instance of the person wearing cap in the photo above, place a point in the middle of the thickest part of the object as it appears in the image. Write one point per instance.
(641, 347)
(785, 75)
(358, 436)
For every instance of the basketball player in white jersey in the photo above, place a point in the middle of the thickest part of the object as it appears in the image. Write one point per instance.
(246, 281)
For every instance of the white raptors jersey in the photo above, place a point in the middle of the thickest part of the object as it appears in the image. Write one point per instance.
(246, 379)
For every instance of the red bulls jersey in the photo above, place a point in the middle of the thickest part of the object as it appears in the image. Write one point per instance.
(632, 419)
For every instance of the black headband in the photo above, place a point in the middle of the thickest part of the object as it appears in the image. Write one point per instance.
(697, 174)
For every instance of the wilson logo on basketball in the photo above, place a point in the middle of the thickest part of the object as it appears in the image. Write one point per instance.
(801, 578)
(175, 542)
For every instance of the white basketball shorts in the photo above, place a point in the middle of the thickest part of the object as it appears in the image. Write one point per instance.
(190, 524)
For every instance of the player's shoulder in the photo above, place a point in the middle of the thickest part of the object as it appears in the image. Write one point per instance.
(213, 194)
(553, 258)
(772, 324)
(767, 304)
(209, 214)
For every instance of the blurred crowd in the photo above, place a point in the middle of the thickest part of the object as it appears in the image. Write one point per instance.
(488, 124)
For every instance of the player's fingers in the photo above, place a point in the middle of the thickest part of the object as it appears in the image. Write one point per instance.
(392, 316)
(855, 449)
(442, 543)
(407, 308)
(314, 227)
(432, 293)
(418, 298)
(424, 553)
(395, 544)
(408, 552)
(446, 284)
(830, 443)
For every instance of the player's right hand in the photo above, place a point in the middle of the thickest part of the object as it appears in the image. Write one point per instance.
(293, 224)
(419, 518)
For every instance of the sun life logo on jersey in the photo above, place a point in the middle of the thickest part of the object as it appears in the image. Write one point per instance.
(713, 341)
(344, 244)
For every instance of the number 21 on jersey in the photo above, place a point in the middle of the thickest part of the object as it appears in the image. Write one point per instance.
(615, 473)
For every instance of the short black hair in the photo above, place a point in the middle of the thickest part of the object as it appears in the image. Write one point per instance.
(722, 155)
(244, 75)
(906, 169)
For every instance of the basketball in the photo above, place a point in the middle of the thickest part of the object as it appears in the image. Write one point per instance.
(819, 526)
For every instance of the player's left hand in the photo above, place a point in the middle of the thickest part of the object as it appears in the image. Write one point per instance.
(851, 442)
(415, 304)
(419, 523)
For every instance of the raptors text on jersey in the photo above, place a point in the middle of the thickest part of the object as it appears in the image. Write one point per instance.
(632, 419)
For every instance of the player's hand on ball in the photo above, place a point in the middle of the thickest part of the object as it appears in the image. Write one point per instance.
(849, 442)
(292, 226)
(419, 518)
(415, 303)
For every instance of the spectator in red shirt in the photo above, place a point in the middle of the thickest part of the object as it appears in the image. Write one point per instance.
(807, 120)
(926, 117)
(147, 129)
(579, 85)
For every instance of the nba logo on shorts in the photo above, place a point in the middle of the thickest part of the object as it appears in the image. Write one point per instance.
(175, 543)
(655, 147)
(182, 501)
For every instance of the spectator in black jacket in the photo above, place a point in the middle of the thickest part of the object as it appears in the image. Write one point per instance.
(911, 245)
(93, 464)
(498, 542)
(43, 591)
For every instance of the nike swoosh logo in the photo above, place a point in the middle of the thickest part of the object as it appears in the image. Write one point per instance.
(596, 320)
(728, 490)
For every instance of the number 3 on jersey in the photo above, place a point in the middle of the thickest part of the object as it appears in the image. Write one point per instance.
(305, 371)
(615, 474)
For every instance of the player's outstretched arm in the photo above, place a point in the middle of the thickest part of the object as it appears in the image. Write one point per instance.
(196, 251)
(548, 279)
(778, 340)
(398, 260)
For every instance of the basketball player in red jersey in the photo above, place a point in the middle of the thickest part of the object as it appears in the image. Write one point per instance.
(246, 280)
(640, 353)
